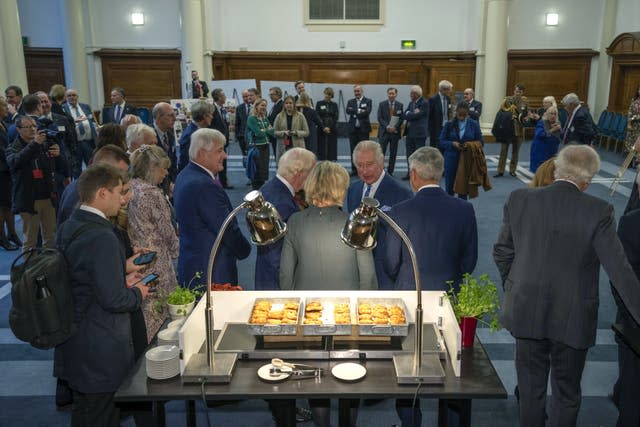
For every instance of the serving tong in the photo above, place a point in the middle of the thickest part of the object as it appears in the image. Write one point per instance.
(298, 371)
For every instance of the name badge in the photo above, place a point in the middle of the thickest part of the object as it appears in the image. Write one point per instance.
(37, 174)
(61, 128)
(572, 129)
(398, 112)
(323, 107)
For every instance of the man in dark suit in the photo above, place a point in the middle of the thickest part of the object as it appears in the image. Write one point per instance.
(416, 121)
(550, 266)
(275, 93)
(13, 95)
(374, 182)
(580, 128)
(358, 110)
(201, 206)
(119, 107)
(439, 107)
(85, 124)
(474, 106)
(199, 88)
(293, 168)
(220, 123)
(97, 272)
(164, 118)
(389, 120)
(242, 113)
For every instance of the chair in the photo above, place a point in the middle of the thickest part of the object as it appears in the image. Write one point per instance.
(605, 128)
(144, 115)
(611, 129)
(620, 133)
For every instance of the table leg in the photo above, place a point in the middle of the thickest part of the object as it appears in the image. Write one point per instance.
(159, 414)
(344, 412)
(190, 410)
(449, 407)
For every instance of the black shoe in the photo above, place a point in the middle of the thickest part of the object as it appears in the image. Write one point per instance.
(513, 174)
(498, 175)
(405, 178)
(15, 239)
(303, 415)
(7, 245)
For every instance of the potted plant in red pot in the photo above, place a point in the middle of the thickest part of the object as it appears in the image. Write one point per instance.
(477, 298)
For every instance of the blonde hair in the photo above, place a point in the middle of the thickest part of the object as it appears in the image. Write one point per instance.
(255, 104)
(327, 183)
(3, 102)
(304, 100)
(146, 160)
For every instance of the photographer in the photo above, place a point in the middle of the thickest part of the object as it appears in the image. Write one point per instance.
(33, 162)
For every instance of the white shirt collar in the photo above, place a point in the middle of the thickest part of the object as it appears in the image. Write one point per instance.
(285, 182)
(374, 186)
(429, 186)
(213, 177)
(93, 210)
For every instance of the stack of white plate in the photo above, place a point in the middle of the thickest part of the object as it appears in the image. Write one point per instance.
(176, 323)
(163, 362)
(168, 336)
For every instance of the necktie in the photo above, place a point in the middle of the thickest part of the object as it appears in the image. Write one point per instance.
(165, 142)
(224, 113)
(566, 128)
(80, 124)
(216, 180)
(368, 191)
(116, 119)
(248, 109)
(391, 110)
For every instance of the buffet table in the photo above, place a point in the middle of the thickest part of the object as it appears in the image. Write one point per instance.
(469, 373)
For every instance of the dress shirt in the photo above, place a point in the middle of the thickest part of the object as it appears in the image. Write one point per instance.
(93, 210)
(445, 109)
(83, 126)
(374, 186)
(428, 186)
(213, 177)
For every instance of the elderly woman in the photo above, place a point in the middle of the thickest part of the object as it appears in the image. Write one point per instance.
(290, 127)
(314, 257)
(546, 139)
(328, 139)
(201, 116)
(150, 223)
(260, 129)
(314, 123)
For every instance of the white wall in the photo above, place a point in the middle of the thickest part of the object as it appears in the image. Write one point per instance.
(38, 20)
(628, 19)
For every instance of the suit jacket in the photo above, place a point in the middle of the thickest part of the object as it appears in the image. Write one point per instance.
(581, 128)
(550, 263)
(108, 113)
(389, 193)
(444, 235)
(219, 123)
(314, 257)
(184, 144)
(201, 207)
(384, 118)
(450, 133)
(194, 90)
(172, 153)
(102, 304)
(359, 112)
(275, 110)
(86, 110)
(436, 115)
(416, 122)
(475, 109)
(267, 276)
(241, 120)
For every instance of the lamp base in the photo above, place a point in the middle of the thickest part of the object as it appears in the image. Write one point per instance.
(198, 370)
(430, 372)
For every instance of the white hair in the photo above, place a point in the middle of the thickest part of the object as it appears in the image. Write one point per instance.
(577, 163)
(417, 89)
(445, 84)
(295, 160)
(428, 163)
(570, 98)
(204, 139)
(368, 146)
(135, 135)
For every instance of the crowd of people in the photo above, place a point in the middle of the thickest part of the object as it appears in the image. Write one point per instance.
(131, 189)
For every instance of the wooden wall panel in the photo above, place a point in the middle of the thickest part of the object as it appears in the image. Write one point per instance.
(625, 71)
(422, 68)
(550, 72)
(45, 67)
(147, 76)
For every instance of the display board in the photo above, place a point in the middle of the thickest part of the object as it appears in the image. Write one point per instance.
(232, 88)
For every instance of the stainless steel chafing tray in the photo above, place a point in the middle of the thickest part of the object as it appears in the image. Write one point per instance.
(399, 330)
(269, 329)
(328, 326)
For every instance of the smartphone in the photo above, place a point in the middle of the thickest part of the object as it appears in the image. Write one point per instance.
(148, 279)
(145, 258)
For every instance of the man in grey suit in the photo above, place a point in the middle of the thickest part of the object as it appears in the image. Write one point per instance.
(549, 251)
(389, 120)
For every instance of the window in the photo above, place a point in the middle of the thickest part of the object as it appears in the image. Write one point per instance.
(344, 12)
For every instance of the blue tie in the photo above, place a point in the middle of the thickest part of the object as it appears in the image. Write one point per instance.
(80, 125)
(366, 193)
(117, 117)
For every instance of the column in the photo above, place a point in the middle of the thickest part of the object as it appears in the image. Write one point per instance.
(73, 50)
(12, 64)
(495, 71)
(192, 58)
(603, 76)
(211, 33)
(478, 84)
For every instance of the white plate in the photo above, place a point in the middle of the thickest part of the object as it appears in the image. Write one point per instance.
(176, 323)
(163, 353)
(349, 371)
(169, 334)
(264, 373)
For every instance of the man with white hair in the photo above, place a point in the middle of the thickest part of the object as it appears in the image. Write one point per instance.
(201, 206)
(580, 128)
(416, 117)
(549, 251)
(140, 134)
(293, 168)
(439, 108)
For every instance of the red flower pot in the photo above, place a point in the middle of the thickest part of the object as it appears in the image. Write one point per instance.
(468, 327)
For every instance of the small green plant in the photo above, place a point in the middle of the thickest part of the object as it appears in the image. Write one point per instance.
(477, 298)
(179, 296)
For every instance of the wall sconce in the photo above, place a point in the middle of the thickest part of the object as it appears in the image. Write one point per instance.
(137, 18)
(551, 19)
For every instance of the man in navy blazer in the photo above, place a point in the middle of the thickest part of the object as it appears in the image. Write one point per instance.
(242, 114)
(119, 107)
(474, 106)
(388, 127)
(579, 128)
(439, 107)
(416, 117)
(293, 168)
(358, 109)
(85, 125)
(201, 206)
(164, 118)
(374, 182)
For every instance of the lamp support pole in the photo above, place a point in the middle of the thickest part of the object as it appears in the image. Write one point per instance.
(212, 257)
(417, 351)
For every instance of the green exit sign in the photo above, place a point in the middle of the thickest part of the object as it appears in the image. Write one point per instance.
(408, 44)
